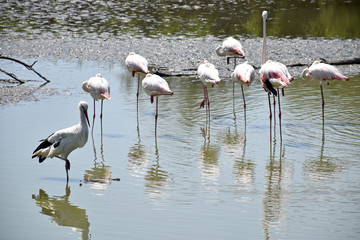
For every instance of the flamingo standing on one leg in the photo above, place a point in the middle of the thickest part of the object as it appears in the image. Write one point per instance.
(209, 76)
(273, 75)
(99, 89)
(244, 74)
(137, 64)
(155, 86)
(324, 73)
(231, 48)
(61, 143)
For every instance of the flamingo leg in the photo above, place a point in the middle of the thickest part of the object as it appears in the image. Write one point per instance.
(208, 103)
(156, 114)
(243, 95)
(280, 117)
(92, 128)
(204, 99)
(137, 94)
(102, 101)
(274, 109)
(323, 104)
(270, 115)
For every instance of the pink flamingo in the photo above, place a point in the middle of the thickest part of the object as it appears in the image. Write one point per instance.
(244, 74)
(231, 48)
(137, 64)
(209, 76)
(273, 75)
(99, 89)
(324, 73)
(155, 86)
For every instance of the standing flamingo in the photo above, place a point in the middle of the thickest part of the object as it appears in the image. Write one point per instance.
(324, 73)
(155, 86)
(273, 75)
(209, 76)
(61, 143)
(231, 48)
(244, 74)
(99, 89)
(137, 64)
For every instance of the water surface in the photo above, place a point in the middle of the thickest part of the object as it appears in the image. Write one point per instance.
(197, 179)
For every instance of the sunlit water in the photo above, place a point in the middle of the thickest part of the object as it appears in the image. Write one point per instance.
(196, 180)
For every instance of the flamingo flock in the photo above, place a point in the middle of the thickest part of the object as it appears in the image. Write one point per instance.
(273, 77)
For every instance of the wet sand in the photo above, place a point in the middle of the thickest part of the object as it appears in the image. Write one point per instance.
(172, 54)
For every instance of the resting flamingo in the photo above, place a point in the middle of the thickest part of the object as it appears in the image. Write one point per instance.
(99, 89)
(324, 73)
(273, 75)
(137, 64)
(155, 86)
(230, 48)
(244, 74)
(61, 143)
(209, 76)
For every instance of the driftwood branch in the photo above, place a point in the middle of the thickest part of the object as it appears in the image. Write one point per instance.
(12, 75)
(29, 67)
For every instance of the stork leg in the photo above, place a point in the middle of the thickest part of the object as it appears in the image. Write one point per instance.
(92, 128)
(102, 101)
(67, 168)
(243, 95)
(323, 104)
(280, 117)
(156, 114)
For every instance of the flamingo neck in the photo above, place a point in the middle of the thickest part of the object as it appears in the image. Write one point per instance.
(263, 58)
(220, 51)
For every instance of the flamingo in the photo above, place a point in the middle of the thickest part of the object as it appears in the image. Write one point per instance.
(209, 76)
(273, 75)
(230, 48)
(99, 89)
(61, 143)
(155, 86)
(324, 73)
(137, 64)
(244, 74)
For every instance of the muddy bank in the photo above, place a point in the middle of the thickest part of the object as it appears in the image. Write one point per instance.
(175, 54)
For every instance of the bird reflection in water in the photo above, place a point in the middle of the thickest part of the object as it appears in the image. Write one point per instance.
(274, 199)
(209, 161)
(243, 170)
(62, 212)
(323, 167)
(157, 180)
(99, 176)
(138, 156)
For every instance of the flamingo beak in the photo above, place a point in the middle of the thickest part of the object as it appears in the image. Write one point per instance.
(87, 118)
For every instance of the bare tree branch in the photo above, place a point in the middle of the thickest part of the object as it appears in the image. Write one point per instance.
(29, 67)
(11, 75)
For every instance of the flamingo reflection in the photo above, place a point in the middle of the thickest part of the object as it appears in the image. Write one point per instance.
(243, 170)
(99, 176)
(62, 212)
(157, 180)
(277, 176)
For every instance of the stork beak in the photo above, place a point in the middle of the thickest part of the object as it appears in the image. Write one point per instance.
(87, 118)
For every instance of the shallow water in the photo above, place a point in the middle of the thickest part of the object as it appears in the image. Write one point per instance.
(196, 180)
